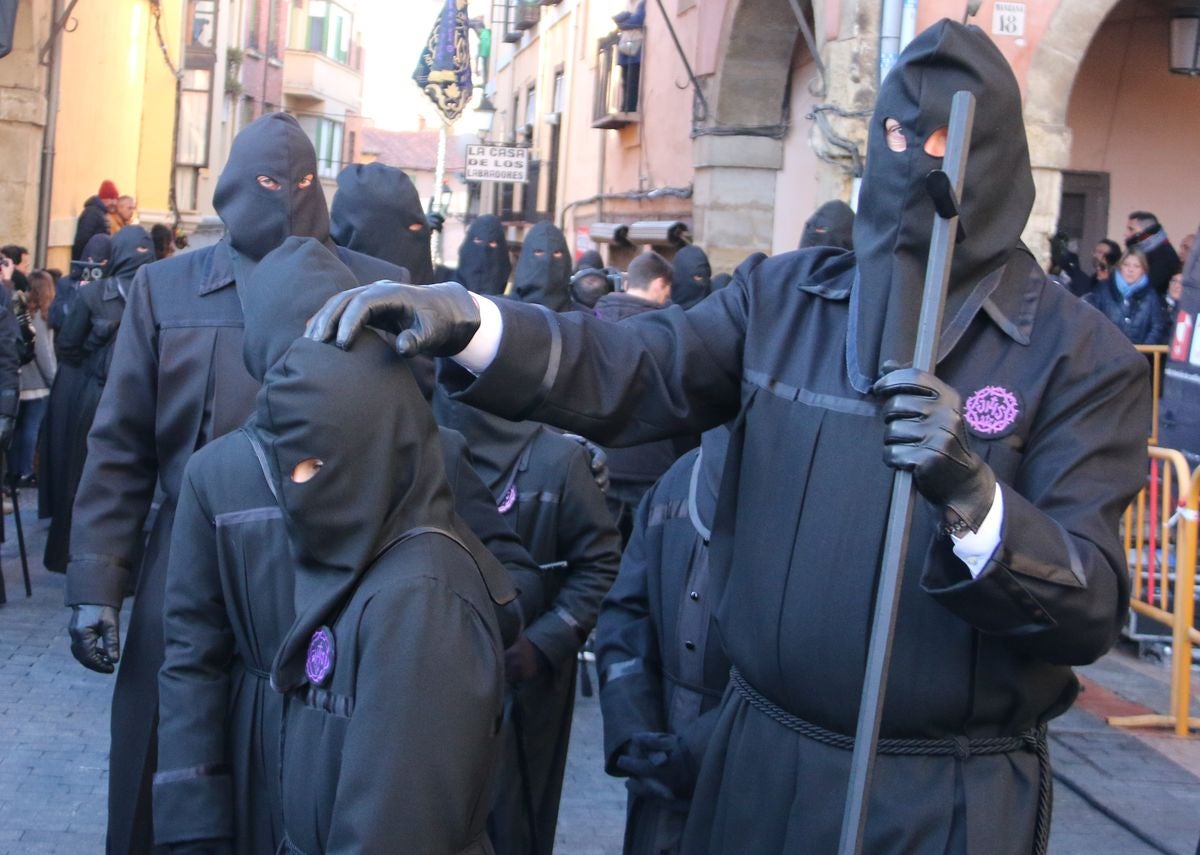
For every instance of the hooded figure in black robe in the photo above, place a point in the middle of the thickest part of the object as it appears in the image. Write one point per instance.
(543, 273)
(176, 382)
(68, 380)
(229, 593)
(393, 668)
(542, 484)
(1036, 396)
(377, 211)
(832, 224)
(692, 279)
(661, 667)
(483, 260)
(85, 343)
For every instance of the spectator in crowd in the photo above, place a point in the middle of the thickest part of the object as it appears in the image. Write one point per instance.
(1105, 256)
(1130, 302)
(94, 218)
(37, 375)
(832, 224)
(21, 261)
(483, 260)
(1179, 412)
(1143, 232)
(542, 482)
(660, 659)
(543, 273)
(1174, 295)
(122, 214)
(633, 470)
(691, 277)
(630, 61)
(1064, 265)
(164, 241)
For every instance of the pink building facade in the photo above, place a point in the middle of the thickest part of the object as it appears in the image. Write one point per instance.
(738, 132)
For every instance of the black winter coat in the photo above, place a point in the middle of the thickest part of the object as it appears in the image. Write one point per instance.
(661, 666)
(1142, 316)
(177, 381)
(1061, 403)
(93, 220)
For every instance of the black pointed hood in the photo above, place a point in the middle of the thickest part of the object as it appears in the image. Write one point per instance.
(359, 411)
(544, 269)
(97, 250)
(484, 268)
(377, 211)
(590, 260)
(258, 218)
(691, 281)
(895, 215)
(131, 247)
(832, 224)
(290, 286)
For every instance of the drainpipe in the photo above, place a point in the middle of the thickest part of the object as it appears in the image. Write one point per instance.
(908, 22)
(46, 176)
(889, 36)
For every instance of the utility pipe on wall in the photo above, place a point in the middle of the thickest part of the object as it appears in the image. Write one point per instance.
(889, 36)
(908, 22)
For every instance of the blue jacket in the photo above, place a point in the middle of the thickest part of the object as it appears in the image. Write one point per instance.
(1142, 316)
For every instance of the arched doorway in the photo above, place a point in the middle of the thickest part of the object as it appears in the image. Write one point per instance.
(1103, 111)
(738, 150)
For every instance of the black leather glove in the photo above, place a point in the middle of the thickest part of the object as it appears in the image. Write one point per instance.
(597, 460)
(523, 661)
(926, 435)
(435, 222)
(436, 320)
(7, 424)
(660, 765)
(95, 637)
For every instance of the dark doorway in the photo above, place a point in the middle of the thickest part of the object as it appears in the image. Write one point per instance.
(1084, 212)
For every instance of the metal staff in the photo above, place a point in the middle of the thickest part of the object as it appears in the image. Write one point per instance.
(945, 187)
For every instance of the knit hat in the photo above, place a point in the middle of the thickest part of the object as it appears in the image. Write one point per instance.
(108, 190)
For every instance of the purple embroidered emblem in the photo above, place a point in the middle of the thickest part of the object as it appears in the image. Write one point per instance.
(992, 410)
(319, 662)
(509, 499)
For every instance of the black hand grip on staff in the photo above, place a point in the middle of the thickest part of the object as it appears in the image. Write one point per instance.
(945, 191)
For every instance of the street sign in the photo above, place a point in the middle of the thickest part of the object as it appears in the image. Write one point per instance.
(509, 164)
(1008, 19)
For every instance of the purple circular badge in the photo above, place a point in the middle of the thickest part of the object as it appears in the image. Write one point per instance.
(319, 662)
(508, 500)
(991, 411)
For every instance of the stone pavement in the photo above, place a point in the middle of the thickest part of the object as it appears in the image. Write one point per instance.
(1116, 792)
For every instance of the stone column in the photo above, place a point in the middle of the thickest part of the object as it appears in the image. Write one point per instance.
(22, 118)
(734, 196)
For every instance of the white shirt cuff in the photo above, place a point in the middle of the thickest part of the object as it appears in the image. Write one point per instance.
(482, 349)
(975, 548)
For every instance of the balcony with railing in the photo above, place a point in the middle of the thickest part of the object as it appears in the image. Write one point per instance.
(618, 85)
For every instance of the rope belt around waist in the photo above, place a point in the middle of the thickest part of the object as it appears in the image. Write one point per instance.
(957, 746)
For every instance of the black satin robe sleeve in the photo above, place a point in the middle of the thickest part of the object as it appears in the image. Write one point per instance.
(193, 791)
(1057, 585)
(69, 343)
(477, 507)
(631, 683)
(588, 541)
(122, 465)
(649, 377)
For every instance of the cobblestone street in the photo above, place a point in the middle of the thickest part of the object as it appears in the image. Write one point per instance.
(54, 728)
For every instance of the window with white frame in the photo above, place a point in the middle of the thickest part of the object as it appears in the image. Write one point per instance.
(328, 143)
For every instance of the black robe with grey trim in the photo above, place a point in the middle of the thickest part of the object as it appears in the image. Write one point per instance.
(560, 515)
(661, 666)
(799, 530)
(176, 382)
(227, 605)
(85, 344)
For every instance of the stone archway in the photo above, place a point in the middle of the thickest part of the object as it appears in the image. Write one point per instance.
(735, 152)
(1051, 77)
(22, 119)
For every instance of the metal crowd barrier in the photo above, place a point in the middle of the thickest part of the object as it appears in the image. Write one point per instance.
(1160, 531)
(1157, 353)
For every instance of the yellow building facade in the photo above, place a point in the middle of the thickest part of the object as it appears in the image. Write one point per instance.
(116, 113)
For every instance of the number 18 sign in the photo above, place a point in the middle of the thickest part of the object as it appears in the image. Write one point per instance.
(1008, 19)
